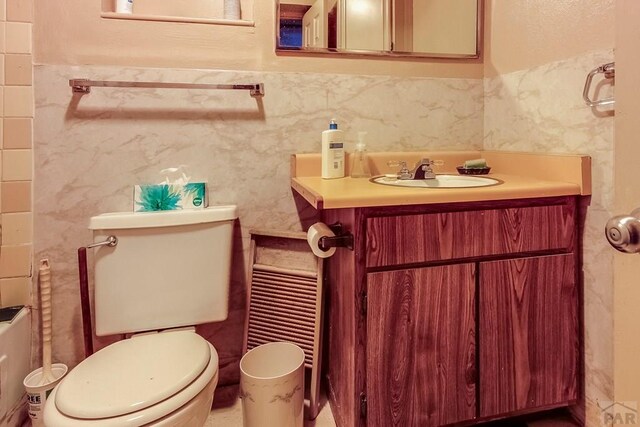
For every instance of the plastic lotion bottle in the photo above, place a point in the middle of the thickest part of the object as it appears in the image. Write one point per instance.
(360, 167)
(332, 152)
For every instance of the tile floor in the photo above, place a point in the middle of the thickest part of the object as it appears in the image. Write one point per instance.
(231, 416)
(227, 411)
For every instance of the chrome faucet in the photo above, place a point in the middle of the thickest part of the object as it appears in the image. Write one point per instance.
(422, 170)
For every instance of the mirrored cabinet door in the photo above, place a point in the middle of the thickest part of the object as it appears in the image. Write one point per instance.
(427, 28)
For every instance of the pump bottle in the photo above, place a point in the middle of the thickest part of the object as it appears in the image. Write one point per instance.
(332, 152)
(360, 165)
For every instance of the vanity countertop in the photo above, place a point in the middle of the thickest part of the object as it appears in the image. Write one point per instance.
(524, 175)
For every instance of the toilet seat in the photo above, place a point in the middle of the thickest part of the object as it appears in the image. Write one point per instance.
(134, 382)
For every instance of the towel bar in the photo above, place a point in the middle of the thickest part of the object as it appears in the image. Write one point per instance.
(84, 86)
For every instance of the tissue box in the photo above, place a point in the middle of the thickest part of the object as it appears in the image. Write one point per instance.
(168, 197)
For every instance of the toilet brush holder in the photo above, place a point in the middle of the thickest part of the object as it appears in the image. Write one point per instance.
(38, 391)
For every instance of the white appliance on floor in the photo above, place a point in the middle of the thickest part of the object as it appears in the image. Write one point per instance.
(168, 272)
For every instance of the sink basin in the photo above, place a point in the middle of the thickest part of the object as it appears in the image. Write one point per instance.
(441, 181)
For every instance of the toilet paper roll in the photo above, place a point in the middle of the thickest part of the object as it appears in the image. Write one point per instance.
(314, 234)
(232, 9)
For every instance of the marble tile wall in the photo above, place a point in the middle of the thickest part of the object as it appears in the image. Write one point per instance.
(90, 150)
(541, 110)
(16, 154)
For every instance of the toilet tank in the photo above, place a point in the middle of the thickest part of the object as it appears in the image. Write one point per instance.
(168, 269)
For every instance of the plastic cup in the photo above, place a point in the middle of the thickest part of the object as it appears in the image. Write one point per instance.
(232, 9)
(124, 6)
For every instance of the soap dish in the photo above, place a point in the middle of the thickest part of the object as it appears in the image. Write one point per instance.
(473, 171)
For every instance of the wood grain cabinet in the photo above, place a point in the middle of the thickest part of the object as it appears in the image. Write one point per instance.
(454, 314)
(421, 346)
(528, 334)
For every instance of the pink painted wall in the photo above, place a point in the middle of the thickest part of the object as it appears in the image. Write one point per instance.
(76, 34)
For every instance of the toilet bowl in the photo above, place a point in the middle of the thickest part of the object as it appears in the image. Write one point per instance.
(157, 379)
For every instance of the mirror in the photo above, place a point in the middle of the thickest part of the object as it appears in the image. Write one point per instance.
(423, 28)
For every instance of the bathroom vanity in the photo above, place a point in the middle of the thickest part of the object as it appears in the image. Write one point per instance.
(457, 306)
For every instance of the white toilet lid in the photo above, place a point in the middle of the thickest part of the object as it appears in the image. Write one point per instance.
(133, 374)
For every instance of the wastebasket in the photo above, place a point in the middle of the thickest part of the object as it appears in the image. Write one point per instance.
(272, 386)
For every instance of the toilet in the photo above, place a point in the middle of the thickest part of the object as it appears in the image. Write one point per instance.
(168, 272)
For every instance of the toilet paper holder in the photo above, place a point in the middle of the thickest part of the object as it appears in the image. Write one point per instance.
(342, 238)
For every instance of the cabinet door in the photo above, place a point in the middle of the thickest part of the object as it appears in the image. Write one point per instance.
(421, 340)
(528, 333)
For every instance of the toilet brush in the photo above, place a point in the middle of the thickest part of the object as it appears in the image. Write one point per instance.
(45, 295)
(41, 382)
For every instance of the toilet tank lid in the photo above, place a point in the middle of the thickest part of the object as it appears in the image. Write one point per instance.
(122, 220)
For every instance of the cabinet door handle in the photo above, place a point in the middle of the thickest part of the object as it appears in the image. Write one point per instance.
(623, 232)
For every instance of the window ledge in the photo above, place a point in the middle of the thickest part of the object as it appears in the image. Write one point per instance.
(138, 17)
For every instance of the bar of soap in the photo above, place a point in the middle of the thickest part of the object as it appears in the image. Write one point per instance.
(475, 164)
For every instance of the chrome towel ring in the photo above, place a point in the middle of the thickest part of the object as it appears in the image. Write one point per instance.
(609, 71)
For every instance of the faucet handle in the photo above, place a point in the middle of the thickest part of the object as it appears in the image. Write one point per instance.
(397, 163)
(404, 172)
(428, 162)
